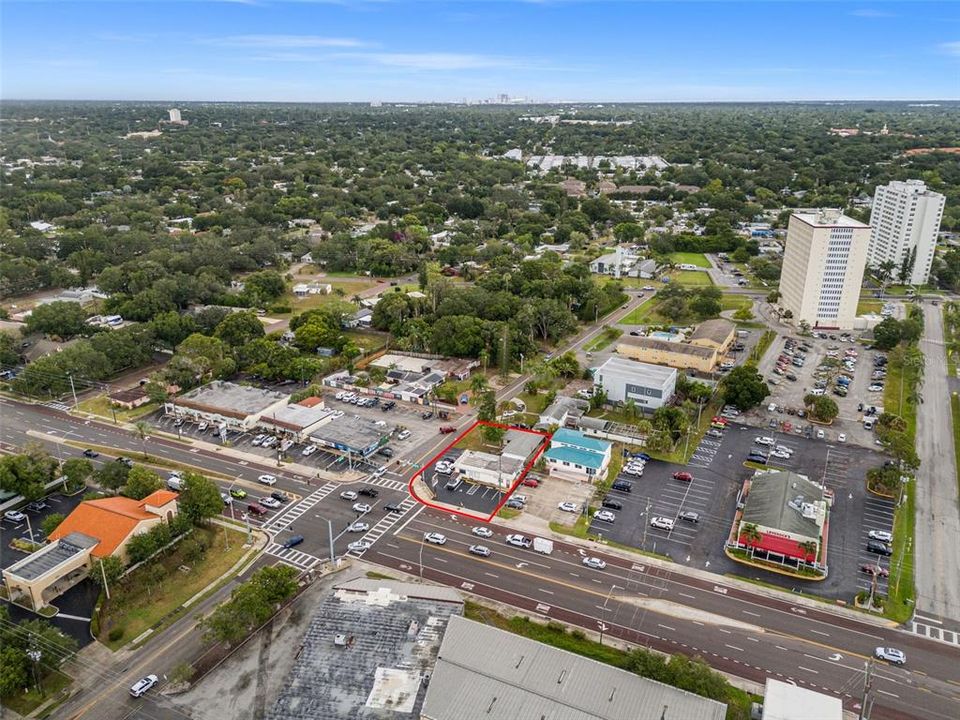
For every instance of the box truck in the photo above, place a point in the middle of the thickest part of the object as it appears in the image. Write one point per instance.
(542, 545)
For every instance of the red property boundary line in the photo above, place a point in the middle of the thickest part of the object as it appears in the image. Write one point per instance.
(506, 496)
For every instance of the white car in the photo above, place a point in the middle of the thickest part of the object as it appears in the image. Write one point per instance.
(348, 495)
(358, 527)
(14, 516)
(772, 407)
(881, 535)
(308, 450)
(764, 440)
(481, 550)
(202, 427)
(522, 499)
(444, 468)
(820, 434)
(435, 538)
(569, 507)
(403, 435)
(594, 562)
(483, 532)
(361, 508)
(267, 479)
(358, 546)
(258, 439)
(663, 523)
(605, 516)
(897, 657)
(286, 445)
(143, 684)
(339, 395)
(818, 391)
(269, 442)
(784, 449)
(337, 414)
(270, 502)
(842, 437)
(634, 471)
(876, 387)
(227, 500)
(780, 455)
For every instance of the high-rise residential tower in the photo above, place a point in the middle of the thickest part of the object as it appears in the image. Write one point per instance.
(905, 222)
(823, 266)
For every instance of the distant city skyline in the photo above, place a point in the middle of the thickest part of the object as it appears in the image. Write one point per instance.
(430, 51)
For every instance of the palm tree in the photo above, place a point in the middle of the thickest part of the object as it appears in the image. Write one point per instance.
(143, 430)
(630, 409)
(478, 383)
(750, 535)
(808, 548)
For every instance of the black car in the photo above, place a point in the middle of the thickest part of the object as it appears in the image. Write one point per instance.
(388, 405)
(393, 507)
(761, 459)
(279, 496)
(622, 486)
(368, 492)
(427, 415)
(385, 451)
(612, 504)
(90, 453)
(880, 548)
(125, 460)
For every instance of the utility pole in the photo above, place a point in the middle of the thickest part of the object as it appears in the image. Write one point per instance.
(103, 574)
(73, 390)
(866, 703)
(646, 524)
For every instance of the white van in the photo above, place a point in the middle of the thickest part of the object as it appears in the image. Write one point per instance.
(868, 423)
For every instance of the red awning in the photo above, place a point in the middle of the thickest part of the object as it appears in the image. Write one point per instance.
(782, 546)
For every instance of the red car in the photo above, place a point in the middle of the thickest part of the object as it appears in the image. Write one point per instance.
(683, 475)
(446, 429)
(531, 482)
(722, 421)
(871, 569)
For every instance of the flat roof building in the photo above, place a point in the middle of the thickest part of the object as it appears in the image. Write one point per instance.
(352, 435)
(574, 456)
(496, 471)
(673, 354)
(297, 420)
(648, 386)
(483, 673)
(905, 221)
(238, 407)
(785, 701)
(823, 264)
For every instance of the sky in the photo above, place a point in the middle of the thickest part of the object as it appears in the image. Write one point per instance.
(434, 50)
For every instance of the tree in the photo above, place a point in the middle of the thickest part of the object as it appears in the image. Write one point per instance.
(63, 319)
(9, 352)
(239, 328)
(773, 296)
(671, 420)
(566, 365)
(14, 670)
(750, 534)
(704, 306)
(141, 482)
(111, 475)
(821, 407)
(886, 335)
(110, 566)
(143, 430)
(199, 498)
(744, 388)
(478, 384)
(50, 523)
(77, 471)
(350, 353)
(198, 359)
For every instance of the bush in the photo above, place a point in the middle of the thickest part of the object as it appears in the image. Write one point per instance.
(115, 634)
(280, 308)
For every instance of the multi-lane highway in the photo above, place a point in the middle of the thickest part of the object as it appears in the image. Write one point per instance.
(749, 634)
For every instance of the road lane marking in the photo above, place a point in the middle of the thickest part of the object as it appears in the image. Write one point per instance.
(686, 595)
(666, 627)
(543, 590)
(724, 631)
(801, 667)
(733, 647)
(492, 575)
(748, 612)
(752, 639)
(819, 632)
(888, 693)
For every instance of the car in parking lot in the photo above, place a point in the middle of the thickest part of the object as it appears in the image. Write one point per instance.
(662, 523)
(358, 527)
(435, 538)
(37, 506)
(568, 506)
(483, 532)
(403, 435)
(897, 657)
(141, 686)
(444, 467)
(358, 546)
(518, 541)
(683, 475)
(605, 516)
(368, 492)
(594, 562)
(881, 535)
(611, 504)
(764, 440)
(14, 516)
(713, 432)
(530, 482)
(622, 486)
(256, 508)
(453, 483)
(348, 495)
(879, 548)
(876, 387)
(874, 570)
(842, 437)
(515, 504)
(202, 427)
(267, 479)
(309, 450)
(689, 516)
(361, 508)
(269, 502)
(258, 439)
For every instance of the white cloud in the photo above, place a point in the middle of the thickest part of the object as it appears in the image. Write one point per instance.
(436, 60)
(951, 48)
(872, 13)
(284, 41)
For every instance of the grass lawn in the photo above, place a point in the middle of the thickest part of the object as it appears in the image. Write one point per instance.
(689, 258)
(603, 340)
(100, 405)
(508, 513)
(576, 641)
(536, 404)
(869, 306)
(692, 278)
(579, 528)
(735, 302)
(365, 341)
(142, 600)
(25, 703)
(900, 593)
(646, 314)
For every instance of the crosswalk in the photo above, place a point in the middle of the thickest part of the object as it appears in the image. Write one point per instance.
(292, 556)
(940, 634)
(386, 482)
(286, 518)
(384, 525)
(54, 405)
(705, 452)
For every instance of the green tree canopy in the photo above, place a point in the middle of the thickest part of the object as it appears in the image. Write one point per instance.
(744, 388)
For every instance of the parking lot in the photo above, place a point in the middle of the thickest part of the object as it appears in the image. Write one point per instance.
(718, 471)
(824, 370)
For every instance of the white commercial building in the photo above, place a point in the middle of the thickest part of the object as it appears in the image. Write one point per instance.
(649, 386)
(174, 115)
(905, 221)
(823, 268)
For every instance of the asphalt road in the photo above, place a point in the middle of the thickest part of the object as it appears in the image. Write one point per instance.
(937, 549)
(748, 634)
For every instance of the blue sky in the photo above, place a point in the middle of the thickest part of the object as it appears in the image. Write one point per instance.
(429, 50)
